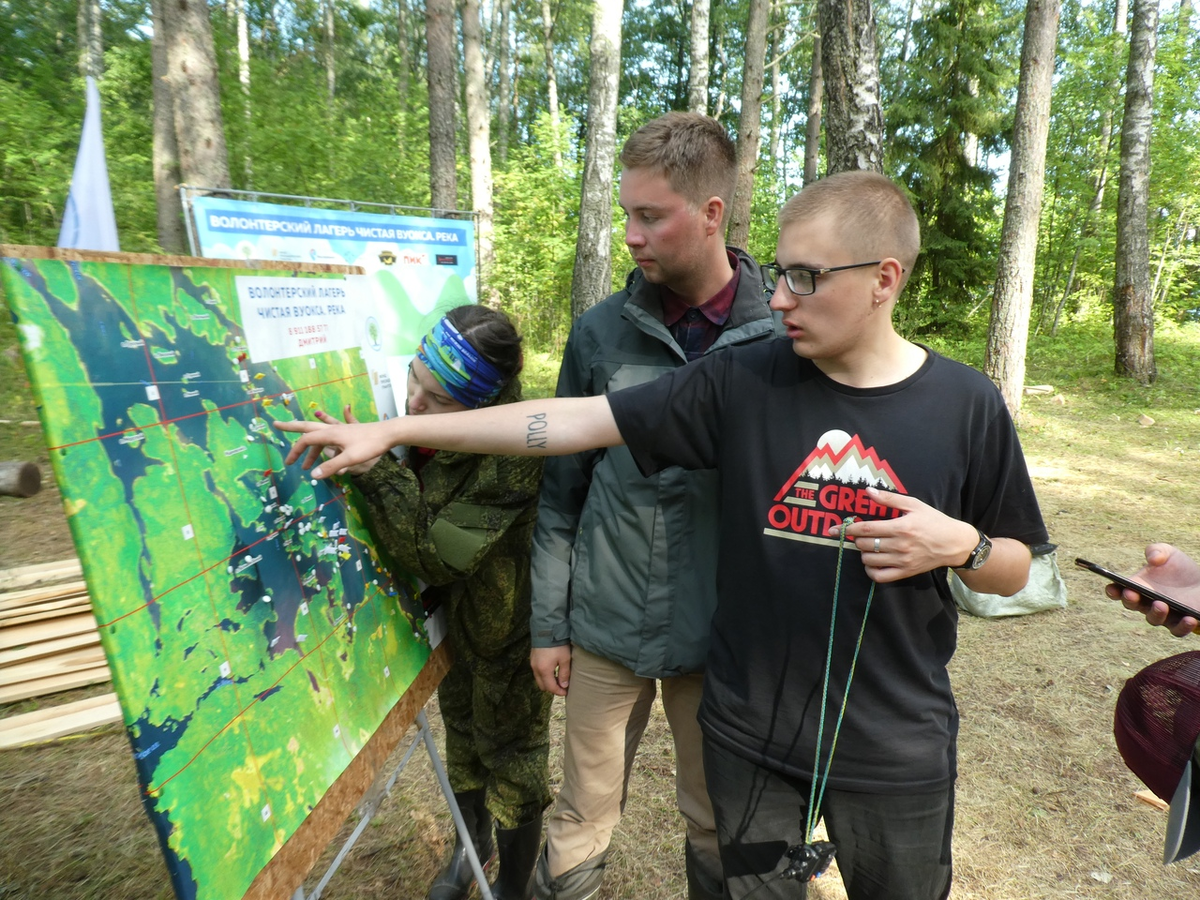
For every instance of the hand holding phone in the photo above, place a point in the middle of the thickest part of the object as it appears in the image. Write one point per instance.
(1176, 605)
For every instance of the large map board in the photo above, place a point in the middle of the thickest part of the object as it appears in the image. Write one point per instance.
(257, 642)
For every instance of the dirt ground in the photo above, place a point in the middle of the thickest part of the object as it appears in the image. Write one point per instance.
(1045, 804)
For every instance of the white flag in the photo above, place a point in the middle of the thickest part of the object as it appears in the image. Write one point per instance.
(88, 221)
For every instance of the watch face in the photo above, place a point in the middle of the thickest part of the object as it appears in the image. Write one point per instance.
(979, 557)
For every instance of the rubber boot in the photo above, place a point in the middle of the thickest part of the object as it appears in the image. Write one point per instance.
(454, 881)
(518, 850)
(701, 885)
(579, 883)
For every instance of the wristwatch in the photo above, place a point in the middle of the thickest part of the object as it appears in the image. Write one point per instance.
(980, 554)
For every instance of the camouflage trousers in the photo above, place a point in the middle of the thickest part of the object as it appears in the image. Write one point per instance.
(497, 735)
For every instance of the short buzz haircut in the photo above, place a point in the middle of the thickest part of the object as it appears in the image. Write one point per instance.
(691, 150)
(871, 214)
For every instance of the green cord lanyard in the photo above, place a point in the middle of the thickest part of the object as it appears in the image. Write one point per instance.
(815, 799)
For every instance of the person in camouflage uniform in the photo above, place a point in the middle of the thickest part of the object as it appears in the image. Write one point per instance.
(462, 523)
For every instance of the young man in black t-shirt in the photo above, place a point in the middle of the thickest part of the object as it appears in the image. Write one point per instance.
(845, 430)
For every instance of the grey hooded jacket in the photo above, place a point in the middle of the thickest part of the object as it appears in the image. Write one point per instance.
(625, 566)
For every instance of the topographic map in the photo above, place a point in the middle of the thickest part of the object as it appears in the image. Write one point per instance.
(256, 640)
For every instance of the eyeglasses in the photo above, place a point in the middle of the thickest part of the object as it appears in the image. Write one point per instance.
(800, 280)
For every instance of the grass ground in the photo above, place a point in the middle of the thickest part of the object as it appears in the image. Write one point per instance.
(1045, 805)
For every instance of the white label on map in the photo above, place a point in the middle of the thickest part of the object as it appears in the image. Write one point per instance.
(188, 532)
(226, 669)
(151, 392)
(387, 672)
(304, 609)
(289, 317)
(337, 730)
(244, 375)
(266, 812)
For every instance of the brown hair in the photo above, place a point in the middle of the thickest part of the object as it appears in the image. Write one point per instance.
(691, 150)
(492, 333)
(871, 214)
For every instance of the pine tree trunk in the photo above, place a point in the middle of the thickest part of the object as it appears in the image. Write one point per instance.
(172, 236)
(440, 40)
(698, 66)
(1008, 332)
(479, 144)
(812, 130)
(1133, 309)
(592, 277)
(196, 95)
(749, 122)
(850, 65)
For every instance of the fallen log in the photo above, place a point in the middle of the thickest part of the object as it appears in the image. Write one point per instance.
(20, 479)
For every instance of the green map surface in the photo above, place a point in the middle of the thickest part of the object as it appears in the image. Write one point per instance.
(255, 639)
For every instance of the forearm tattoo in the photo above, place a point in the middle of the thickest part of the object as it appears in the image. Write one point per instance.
(535, 432)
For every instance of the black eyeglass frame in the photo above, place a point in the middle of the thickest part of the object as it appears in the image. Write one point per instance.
(771, 273)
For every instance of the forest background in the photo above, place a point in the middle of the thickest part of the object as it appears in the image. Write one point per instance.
(330, 98)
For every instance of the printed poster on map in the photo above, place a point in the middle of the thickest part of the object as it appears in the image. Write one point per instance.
(256, 640)
(417, 268)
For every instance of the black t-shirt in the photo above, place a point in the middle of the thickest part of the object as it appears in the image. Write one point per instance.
(795, 452)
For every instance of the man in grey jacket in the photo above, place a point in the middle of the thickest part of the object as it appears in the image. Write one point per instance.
(624, 567)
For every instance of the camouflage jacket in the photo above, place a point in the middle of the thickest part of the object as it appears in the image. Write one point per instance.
(463, 525)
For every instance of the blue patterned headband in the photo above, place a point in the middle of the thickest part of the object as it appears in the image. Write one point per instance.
(467, 377)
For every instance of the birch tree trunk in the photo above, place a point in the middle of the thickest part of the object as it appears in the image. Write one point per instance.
(1099, 180)
(440, 40)
(1133, 308)
(551, 76)
(479, 144)
(504, 61)
(812, 130)
(850, 65)
(196, 95)
(171, 234)
(89, 38)
(592, 276)
(749, 123)
(243, 42)
(776, 132)
(698, 65)
(328, 51)
(1012, 302)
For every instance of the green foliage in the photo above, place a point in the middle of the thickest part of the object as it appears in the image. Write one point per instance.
(536, 219)
(960, 92)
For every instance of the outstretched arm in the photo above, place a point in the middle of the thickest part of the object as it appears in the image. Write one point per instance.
(552, 427)
(1169, 571)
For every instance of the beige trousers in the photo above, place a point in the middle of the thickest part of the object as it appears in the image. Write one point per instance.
(607, 709)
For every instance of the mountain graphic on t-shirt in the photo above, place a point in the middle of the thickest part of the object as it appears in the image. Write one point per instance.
(842, 458)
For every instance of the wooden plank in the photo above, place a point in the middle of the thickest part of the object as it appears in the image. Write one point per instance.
(55, 683)
(39, 573)
(15, 599)
(1152, 799)
(48, 648)
(59, 664)
(12, 636)
(56, 721)
(12, 618)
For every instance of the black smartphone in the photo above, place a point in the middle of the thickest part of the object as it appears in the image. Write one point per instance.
(1148, 593)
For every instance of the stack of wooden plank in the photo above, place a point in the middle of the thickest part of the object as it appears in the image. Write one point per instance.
(49, 643)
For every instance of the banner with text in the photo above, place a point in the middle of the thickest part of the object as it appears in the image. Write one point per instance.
(418, 268)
